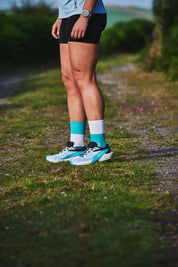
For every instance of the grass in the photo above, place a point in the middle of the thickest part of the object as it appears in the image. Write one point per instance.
(106, 214)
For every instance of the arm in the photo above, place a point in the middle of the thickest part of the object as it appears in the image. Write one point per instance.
(56, 28)
(80, 26)
(90, 4)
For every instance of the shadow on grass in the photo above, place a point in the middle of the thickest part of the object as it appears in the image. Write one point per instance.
(61, 231)
(6, 106)
(160, 153)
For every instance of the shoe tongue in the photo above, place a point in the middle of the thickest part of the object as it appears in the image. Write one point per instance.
(92, 144)
(70, 144)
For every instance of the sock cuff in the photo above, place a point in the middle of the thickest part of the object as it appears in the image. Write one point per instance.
(96, 127)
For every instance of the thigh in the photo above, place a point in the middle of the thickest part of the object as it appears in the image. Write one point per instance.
(83, 58)
(65, 61)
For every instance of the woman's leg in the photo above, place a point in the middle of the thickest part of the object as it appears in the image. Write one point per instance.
(77, 115)
(75, 103)
(83, 59)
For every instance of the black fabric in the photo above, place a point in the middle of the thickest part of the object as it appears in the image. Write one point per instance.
(94, 144)
(96, 25)
(71, 144)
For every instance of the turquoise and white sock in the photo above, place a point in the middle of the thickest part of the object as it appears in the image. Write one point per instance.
(97, 132)
(77, 133)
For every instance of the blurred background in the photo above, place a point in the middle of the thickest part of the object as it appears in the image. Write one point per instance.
(133, 26)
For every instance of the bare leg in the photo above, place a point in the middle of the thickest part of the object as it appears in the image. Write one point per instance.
(83, 59)
(78, 62)
(75, 103)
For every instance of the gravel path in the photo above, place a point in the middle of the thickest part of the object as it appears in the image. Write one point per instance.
(163, 158)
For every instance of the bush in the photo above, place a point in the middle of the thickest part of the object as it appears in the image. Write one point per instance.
(166, 15)
(25, 35)
(127, 37)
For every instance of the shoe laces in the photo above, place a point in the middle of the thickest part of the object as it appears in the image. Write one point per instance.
(63, 150)
(68, 145)
(90, 148)
(86, 152)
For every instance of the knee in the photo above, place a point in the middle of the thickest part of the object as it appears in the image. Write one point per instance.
(82, 80)
(78, 80)
(66, 79)
(70, 84)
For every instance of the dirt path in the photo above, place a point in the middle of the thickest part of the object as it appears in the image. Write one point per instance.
(162, 157)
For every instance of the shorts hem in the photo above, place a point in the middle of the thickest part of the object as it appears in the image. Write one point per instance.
(78, 41)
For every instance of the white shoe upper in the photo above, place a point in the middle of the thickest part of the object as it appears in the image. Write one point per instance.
(67, 154)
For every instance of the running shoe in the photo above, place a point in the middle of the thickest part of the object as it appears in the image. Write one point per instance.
(67, 154)
(93, 154)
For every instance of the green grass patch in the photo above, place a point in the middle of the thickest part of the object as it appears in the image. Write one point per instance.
(105, 214)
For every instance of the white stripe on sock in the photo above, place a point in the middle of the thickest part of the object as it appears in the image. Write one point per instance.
(96, 127)
(78, 139)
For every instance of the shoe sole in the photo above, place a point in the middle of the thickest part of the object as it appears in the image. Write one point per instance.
(61, 160)
(105, 157)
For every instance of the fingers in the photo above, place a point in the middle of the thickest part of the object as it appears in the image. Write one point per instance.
(54, 32)
(56, 29)
(77, 34)
(83, 34)
(79, 29)
(73, 33)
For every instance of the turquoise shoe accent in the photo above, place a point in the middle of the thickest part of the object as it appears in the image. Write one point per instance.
(99, 155)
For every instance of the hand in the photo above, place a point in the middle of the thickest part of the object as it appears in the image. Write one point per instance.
(56, 28)
(79, 28)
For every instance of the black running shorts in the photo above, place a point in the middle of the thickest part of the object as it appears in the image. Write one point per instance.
(96, 25)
